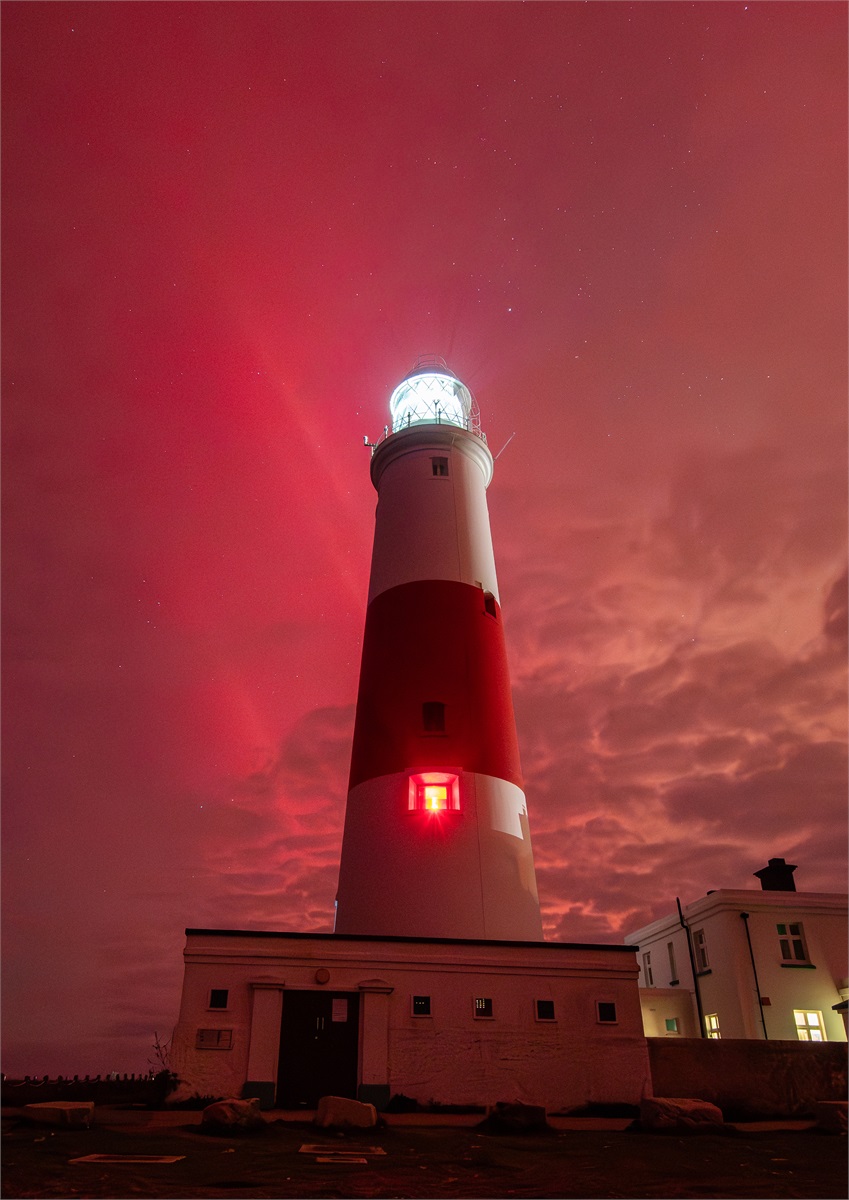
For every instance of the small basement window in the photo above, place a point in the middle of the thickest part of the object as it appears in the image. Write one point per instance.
(218, 997)
(606, 1011)
(440, 467)
(214, 1039)
(483, 1007)
(421, 1006)
(545, 1010)
(433, 716)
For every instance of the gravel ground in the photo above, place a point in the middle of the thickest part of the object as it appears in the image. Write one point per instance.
(418, 1161)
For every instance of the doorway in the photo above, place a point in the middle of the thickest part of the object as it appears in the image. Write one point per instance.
(319, 1043)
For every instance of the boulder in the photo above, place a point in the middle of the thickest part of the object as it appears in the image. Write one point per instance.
(831, 1115)
(679, 1114)
(232, 1116)
(76, 1113)
(338, 1112)
(513, 1117)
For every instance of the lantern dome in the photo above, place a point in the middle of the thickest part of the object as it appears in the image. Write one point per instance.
(431, 394)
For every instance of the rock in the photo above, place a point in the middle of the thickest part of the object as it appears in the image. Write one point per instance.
(76, 1113)
(231, 1116)
(673, 1112)
(515, 1118)
(338, 1112)
(831, 1115)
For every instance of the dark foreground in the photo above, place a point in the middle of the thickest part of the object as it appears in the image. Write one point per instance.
(419, 1161)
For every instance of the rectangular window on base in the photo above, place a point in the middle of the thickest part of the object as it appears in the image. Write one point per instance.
(712, 1026)
(214, 1039)
(545, 1010)
(434, 792)
(483, 1006)
(218, 997)
(648, 975)
(440, 467)
(421, 1006)
(606, 1012)
(671, 1024)
(809, 1026)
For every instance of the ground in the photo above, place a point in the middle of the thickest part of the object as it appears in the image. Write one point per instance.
(585, 1159)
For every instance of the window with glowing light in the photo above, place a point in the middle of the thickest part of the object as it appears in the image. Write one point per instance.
(421, 1006)
(809, 1026)
(434, 792)
(483, 1007)
(712, 1026)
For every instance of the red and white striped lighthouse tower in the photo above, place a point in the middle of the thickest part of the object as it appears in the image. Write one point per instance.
(436, 840)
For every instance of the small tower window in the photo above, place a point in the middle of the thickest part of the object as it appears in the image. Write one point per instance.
(606, 1011)
(489, 604)
(433, 716)
(545, 1010)
(421, 1006)
(440, 467)
(218, 997)
(483, 1007)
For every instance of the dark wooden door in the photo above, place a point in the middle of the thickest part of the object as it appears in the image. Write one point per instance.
(319, 1042)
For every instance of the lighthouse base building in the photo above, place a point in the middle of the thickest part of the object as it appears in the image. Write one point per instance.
(292, 1017)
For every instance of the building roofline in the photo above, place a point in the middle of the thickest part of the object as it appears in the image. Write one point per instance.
(724, 899)
(431, 941)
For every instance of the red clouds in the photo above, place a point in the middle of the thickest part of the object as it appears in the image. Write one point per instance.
(228, 232)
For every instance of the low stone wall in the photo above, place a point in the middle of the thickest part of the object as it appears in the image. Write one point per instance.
(748, 1079)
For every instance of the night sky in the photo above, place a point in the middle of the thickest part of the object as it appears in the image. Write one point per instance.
(228, 232)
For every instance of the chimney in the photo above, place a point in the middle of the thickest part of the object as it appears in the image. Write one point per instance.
(777, 876)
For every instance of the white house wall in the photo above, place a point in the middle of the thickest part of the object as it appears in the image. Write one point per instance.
(728, 987)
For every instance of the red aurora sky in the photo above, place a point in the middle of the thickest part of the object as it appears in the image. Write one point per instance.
(229, 229)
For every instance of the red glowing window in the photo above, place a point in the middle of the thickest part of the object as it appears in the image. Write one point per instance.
(434, 792)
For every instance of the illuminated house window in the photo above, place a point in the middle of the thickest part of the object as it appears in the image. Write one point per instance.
(648, 975)
(433, 716)
(214, 1039)
(440, 467)
(421, 1006)
(671, 1024)
(791, 939)
(434, 792)
(489, 604)
(218, 997)
(809, 1026)
(545, 1010)
(483, 1006)
(606, 1012)
(700, 949)
(712, 1025)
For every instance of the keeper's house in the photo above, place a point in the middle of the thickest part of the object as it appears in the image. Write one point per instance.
(290, 1017)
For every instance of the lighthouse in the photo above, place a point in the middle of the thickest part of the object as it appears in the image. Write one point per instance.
(436, 840)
